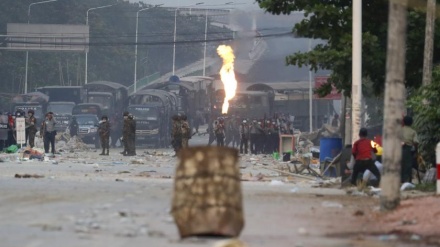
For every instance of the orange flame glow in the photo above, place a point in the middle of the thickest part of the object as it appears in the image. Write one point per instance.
(227, 75)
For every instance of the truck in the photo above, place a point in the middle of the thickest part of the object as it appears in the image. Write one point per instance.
(113, 98)
(31, 101)
(62, 99)
(152, 110)
(87, 115)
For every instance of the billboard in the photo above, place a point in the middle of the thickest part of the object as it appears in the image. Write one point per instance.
(47, 37)
(334, 94)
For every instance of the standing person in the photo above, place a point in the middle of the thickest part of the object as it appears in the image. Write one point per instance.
(335, 121)
(219, 131)
(131, 136)
(49, 133)
(125, 133)
(176, 134)
(198, 120)
(31, 130)
(73, 127)
(244, 137)
(275, 137)
(11, 131)
(236, 138)
(186, 131)
(210, 131)
(363, 155)
(253, 137)
(3, 131)
(104, 135)
(410, 142)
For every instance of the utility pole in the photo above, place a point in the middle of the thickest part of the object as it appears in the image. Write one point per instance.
(356, 89)
(394, 104)
(429, 42)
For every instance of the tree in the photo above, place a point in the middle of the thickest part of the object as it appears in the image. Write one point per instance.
(394, 105)
(331, 20)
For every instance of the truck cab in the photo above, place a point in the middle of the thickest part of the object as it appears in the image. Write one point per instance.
(88, 115)
(62, 114)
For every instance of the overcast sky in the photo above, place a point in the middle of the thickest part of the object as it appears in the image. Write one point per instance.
(239, 4)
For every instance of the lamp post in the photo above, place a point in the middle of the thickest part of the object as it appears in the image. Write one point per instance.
(356, 90)
(310, 93)
(206, 36)
(175, 28)
(136, 45)
(27, 52)
(87, 50)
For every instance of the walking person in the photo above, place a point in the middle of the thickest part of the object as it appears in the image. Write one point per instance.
(48, 132)
(176, 134)
(186, 131)
(363, 155)
(125, 134)
(31, 128)
(219, 131)
(73, 127)
(410, 142)
(244, 137)
(3, 131)
(131, 136)
(104, 135)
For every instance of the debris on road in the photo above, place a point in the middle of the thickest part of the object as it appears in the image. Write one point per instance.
(230, 243)
(328, 204)
(28, 176)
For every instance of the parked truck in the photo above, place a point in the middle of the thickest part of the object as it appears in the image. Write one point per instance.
(62, 99)
(87, 115)
(152, 110)
(32, 101)
(113, 97)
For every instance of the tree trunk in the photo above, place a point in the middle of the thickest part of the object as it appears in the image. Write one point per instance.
(429, 42)
(394, 105)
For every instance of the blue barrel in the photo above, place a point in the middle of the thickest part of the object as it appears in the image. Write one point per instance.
(329, 148)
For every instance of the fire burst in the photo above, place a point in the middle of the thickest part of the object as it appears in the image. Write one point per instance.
(227, 75)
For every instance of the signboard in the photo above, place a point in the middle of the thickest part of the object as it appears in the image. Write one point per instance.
(334, 94)
(21, 130)
(47, 37)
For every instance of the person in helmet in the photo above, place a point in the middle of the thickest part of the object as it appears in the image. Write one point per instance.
(73, 127)
(125, 133)
(31, 128)
(104, 135)
(219, 131)
(186, 131)
(244, 137)
(176, 134)
(131, 136)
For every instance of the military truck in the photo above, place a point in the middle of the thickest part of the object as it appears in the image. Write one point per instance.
(87, 115)
(152, 110)
(32, 101)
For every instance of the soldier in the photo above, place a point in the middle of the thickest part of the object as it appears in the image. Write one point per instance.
(244, 137)
(125, 133)
(131, 136)
(219, 131)
(176, 134)
(274, 137)
(236, 139)
(186, 131)
(253, 137)
(3, 131)
(104, 134)
(268, 130)
(31, 130)
(48, 132)
(73, 127)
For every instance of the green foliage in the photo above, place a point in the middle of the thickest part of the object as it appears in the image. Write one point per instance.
(425, 104)
(332, 21)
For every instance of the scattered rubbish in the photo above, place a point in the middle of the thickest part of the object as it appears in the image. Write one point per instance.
(156, 234)
(118, 163)
(294, 190)
(11, 149)
(303, 231)
(119, 180)
(276, 182)
(407, 186)
(54, 163)
(123, 214)
(391, 237)
(415, 237)
(230, 243)
(328, 204)
(137, 162)
(359, 213)
(28, 176)
(121, 172)
(409, 222)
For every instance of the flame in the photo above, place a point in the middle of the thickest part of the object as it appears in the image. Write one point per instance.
(227, 75)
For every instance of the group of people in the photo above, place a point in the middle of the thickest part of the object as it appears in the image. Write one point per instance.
(180, 133)
(367, 157)
(256, 137)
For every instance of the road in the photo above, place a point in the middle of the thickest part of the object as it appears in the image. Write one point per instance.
(89, 200)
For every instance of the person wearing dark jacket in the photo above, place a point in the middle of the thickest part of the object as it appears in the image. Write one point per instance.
(104, 135)
(73, 127)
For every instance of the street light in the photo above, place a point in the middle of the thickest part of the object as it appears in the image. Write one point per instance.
(175, 26)
(206, 37)
(27, 52)
(87, 50)
(136, 45)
